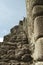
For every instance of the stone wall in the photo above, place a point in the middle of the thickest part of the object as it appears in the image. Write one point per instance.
(35, 28)
(15, 49)
(24, 44)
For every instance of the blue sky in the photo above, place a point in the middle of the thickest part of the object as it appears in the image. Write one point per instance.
(11, 11)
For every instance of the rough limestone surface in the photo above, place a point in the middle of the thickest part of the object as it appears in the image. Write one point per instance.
(38, 27)
(14, 50)
(24, 44)
(38, 53)
(39, 63)
(35, 28)
(34, 9)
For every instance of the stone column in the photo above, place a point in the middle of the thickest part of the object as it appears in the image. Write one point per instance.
(35, 27)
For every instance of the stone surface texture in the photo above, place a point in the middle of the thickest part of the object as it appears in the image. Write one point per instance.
(24, 44)
(14, 50)
(35, 28)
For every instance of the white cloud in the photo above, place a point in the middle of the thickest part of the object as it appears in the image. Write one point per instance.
(1, 39)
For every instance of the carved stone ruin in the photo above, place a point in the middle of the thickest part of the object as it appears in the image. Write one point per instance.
(35, 28)
(24, 44)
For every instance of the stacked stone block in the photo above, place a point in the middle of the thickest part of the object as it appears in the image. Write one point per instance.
(35, 27)
(14, 50)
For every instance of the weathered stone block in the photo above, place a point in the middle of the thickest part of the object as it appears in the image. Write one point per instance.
(11, 52)
(30, 4)
(39, 63)
(38, 27)
(33, 3)
(14, 29)
(38, 52)
(4, 63)
(37, 11)
(26, 58)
